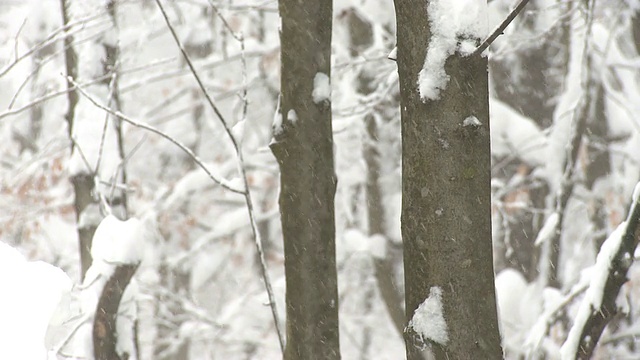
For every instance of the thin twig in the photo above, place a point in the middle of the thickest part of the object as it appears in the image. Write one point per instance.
(550, 316)
(247, 192)
(83, 320)
(82, 156)
(213, 106)
(164, 74)
(222, 182)
(224, 21)
(15, 39)
(500, 29)
(54, 94)
(105, 126)
(42, 62)
(44, 98)
(51, 38)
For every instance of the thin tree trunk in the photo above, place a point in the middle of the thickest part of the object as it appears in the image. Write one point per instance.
(384, 270)
(446, 199)
(361, 38)
(105, 335)
(303, 146)
(86, 131)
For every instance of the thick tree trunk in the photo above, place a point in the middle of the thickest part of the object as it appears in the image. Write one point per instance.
(303, 147)
(446, 206)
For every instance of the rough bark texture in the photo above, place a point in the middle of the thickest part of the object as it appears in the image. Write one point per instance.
(105, 336)
(446, 206)
(304, 151)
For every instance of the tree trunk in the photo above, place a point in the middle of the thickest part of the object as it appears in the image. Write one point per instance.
(105, 335)
(97, 148)
(446, 206)
(361, 38)
(303, 146)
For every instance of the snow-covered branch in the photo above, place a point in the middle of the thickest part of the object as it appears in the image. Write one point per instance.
(609, 275)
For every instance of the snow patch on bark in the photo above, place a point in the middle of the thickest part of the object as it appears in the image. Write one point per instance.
(428, 319)
(455, 26)
(321, 88)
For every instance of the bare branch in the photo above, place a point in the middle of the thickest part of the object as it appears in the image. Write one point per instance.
(500, 29)
(220, 181)
(201, 86)
(50, 39)
(247, 192)
(164, 74)
(225, 22)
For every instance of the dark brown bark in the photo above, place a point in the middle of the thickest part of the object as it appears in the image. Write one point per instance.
(83, 185)
(304, 151)
(105, 336)
(446, 200)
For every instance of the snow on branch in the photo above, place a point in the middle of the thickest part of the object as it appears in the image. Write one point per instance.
(117, 241)
(455, 26)
(610, 272)
(117, 250)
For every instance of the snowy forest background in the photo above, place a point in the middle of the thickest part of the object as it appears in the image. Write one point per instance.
(199, 293)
